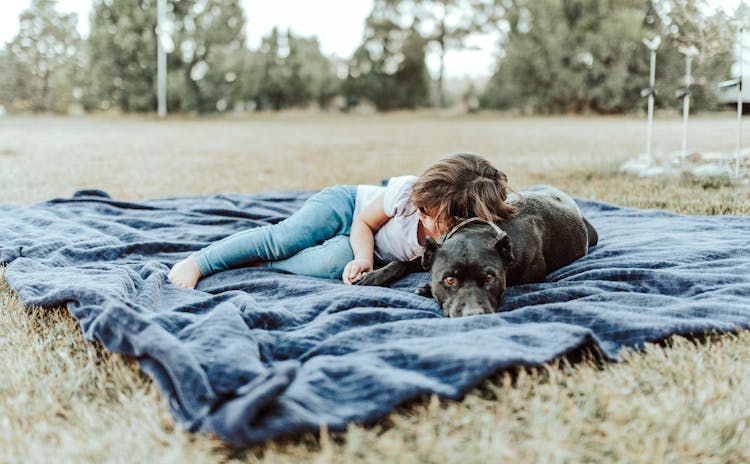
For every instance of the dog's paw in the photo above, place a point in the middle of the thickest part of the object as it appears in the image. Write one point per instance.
(371, 279)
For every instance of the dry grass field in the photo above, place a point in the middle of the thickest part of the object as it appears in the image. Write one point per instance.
(63, 399)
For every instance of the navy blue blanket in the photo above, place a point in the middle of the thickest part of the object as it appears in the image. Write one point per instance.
(253, 354)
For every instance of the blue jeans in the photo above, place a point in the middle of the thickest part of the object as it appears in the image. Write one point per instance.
(314, 241)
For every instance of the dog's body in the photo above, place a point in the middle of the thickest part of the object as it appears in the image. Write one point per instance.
(474, 263)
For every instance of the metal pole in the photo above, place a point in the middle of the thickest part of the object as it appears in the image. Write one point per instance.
(686, 107)
(652, 45)
(161, 62)
(651, 82)
(689, 53)
(739, 106)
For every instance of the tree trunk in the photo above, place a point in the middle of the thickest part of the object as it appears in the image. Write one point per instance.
(43, 103)
(440, 101)
(441, 76)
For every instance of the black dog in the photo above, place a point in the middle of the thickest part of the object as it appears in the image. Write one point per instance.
(475, 261)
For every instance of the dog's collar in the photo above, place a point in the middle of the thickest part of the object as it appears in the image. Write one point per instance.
(475, 220)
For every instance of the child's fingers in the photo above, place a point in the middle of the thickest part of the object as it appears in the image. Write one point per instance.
(345, 274)
(350, 273)
(354, 271)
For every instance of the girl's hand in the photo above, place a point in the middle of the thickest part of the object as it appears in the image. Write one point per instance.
(355, 270)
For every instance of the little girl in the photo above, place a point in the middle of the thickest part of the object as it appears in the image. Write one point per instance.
(341, 231)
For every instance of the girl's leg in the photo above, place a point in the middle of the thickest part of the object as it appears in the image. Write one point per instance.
(326, 260)
(325, 215)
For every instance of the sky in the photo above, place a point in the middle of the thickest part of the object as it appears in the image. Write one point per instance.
(339, 34)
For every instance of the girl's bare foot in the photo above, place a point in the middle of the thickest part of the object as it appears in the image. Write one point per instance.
(185, 273)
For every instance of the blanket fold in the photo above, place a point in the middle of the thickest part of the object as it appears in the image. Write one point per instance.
(253, 354)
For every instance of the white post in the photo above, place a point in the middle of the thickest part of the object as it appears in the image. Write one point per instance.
(651, 82)
(652, 45)
(689, 53)
(738, 154)
(161, 62)
(686, 107)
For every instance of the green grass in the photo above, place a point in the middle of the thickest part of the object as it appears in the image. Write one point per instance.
(63, 399)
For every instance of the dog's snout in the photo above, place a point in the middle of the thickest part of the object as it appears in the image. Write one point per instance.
(469, 310)
(469, 303)
(474, 311)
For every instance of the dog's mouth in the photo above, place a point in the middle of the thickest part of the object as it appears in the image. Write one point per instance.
(467, 312)
(471, 306)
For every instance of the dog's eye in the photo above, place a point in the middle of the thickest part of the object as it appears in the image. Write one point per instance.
(489, 278)
(449, 280)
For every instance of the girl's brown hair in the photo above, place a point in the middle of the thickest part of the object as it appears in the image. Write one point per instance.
(459, 187)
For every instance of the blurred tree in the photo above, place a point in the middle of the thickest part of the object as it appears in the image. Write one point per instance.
(271, 90)
(14, 89)
(686, 24)
(581, 55)
(443, 24)
(122, 56)
(571, 55)
(294, 72)
(448, 24)
(207, 45)
(41, 66)
(389, 68)
(210, 44)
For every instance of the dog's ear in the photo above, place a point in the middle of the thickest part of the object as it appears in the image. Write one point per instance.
(504, 246)
(430, 247)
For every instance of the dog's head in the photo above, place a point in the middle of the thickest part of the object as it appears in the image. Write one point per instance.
(468, 268)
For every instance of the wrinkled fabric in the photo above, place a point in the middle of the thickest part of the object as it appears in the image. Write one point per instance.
(255, 354)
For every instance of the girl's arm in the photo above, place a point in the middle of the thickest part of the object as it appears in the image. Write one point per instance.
(362, 239)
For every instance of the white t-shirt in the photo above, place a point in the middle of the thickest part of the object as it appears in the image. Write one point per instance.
(397, 239)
